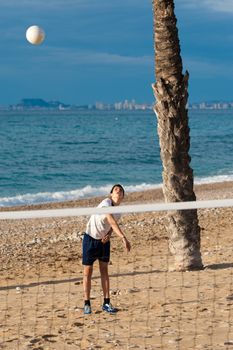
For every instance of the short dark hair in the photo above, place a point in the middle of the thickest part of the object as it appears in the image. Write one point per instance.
(120, 186)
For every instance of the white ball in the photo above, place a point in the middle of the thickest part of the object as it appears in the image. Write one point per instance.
(35, 35)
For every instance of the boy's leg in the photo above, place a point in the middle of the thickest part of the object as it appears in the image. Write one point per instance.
(103, 266)
(107, 306)
(87, 273)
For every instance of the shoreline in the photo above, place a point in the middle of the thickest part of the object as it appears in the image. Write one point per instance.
(207, 191)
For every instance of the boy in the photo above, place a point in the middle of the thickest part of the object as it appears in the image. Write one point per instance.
(96, 245)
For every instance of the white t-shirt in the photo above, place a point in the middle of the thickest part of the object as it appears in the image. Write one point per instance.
(98, 225)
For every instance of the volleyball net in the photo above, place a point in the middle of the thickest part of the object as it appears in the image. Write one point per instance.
(41, 293)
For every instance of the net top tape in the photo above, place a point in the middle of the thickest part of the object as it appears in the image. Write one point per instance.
(136, 208)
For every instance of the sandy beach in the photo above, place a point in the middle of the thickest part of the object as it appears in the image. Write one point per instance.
(41, 295)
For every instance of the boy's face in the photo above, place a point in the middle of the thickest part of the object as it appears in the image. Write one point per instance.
(117, 195)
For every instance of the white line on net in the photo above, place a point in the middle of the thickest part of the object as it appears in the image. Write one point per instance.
(136, 208)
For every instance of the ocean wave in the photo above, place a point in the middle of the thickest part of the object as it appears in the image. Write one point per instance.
(85, 192)
(90, 191)
(213, 179)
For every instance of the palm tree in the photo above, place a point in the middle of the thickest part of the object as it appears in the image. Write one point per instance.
(171, 95)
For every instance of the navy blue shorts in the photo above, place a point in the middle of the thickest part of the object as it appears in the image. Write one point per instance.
(94, 249)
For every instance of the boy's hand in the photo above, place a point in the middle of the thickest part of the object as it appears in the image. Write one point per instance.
(106, 238)
(126, 244)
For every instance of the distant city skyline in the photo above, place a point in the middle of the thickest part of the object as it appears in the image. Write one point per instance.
(41, 104)
(103, 51)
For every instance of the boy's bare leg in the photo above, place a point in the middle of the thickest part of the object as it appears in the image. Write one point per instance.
(103, 266)
(87, 273)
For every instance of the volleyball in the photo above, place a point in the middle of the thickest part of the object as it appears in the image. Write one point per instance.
(35, 35)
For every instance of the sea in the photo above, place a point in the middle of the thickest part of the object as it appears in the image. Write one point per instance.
(48, 156)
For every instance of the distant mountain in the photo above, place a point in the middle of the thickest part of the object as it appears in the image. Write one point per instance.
(37, 103)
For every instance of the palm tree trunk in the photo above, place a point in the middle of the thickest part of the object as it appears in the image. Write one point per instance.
(171, 93)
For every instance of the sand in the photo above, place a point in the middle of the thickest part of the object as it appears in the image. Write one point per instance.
(41, 299)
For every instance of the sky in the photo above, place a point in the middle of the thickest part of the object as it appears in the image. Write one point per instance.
(102, 50)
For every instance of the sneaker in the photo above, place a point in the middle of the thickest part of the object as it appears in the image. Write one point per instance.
(87, 309)
(109, 308)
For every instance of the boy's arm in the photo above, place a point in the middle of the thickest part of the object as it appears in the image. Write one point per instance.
(115, 227)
